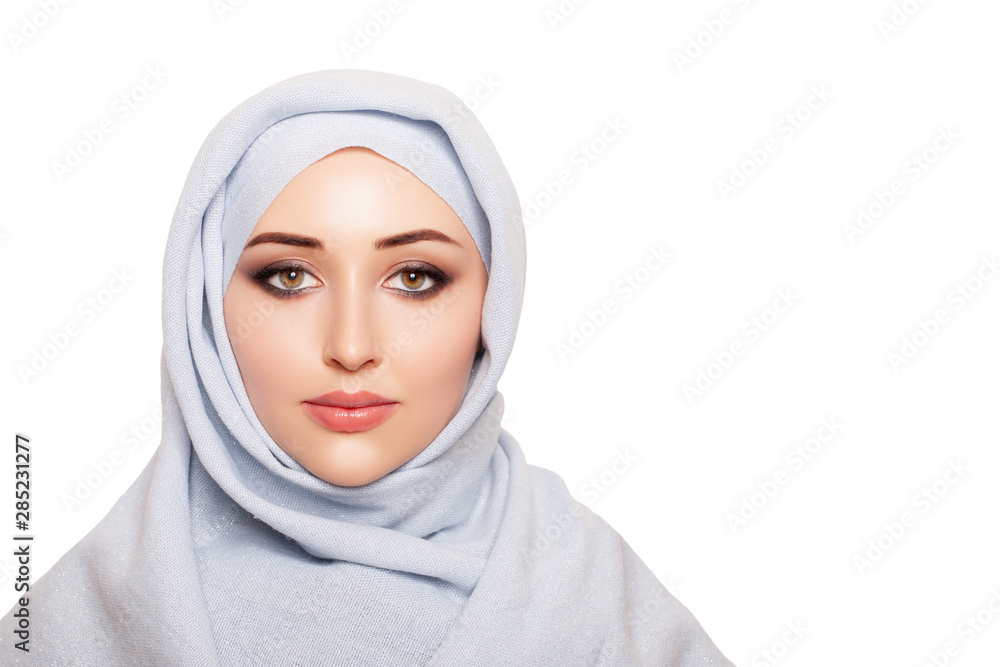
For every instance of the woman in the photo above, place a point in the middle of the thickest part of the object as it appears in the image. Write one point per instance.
(342, 284)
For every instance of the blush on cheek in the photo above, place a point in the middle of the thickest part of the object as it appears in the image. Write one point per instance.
(453, 333)
(439, 358)
(458, 347)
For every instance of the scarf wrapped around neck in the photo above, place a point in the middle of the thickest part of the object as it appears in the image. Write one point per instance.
(226, 551)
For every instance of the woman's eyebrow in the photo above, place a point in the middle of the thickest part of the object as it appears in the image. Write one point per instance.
(285, 239)
(393, 241)
(412, 237)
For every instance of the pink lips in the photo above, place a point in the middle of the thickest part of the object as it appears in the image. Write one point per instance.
(349, 413)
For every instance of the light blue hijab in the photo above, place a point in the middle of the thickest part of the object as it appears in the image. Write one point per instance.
(225, 551)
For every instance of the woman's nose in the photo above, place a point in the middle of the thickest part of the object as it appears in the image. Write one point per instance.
(351, 331)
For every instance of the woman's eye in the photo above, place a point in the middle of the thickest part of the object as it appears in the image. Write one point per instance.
(412, 280)
(291, 279)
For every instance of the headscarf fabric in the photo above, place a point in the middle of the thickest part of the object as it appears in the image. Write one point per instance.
(226, 551)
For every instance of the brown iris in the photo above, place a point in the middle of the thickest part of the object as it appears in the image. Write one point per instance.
(413, 279)
(291, 278)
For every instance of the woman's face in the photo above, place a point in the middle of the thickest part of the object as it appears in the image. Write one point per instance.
(358, 285)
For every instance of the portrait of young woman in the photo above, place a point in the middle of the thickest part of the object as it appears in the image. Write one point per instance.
(342, 286)
(556, 333)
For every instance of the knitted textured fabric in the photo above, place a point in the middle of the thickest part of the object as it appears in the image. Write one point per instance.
(226, 551)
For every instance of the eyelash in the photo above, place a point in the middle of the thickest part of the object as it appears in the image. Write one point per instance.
(440, 279)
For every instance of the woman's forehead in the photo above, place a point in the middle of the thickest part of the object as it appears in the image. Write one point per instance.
(356, 196)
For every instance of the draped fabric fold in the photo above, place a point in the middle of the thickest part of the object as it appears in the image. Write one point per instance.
(226, 551)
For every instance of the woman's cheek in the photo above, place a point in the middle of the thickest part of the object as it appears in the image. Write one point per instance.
(455, 334)
(269, 349)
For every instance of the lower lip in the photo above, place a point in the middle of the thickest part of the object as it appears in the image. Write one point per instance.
(350, 420)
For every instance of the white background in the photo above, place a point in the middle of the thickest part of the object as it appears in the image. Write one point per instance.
(685, 127)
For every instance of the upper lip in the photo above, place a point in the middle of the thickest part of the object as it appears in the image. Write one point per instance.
(342, 399)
